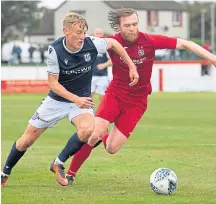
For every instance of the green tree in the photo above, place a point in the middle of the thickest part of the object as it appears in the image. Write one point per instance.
(17, 17)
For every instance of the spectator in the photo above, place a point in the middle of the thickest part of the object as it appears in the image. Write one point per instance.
(31, 51)
(206, 68)
(42, 49)
(19, 52)
(100, 78)
(16, 54)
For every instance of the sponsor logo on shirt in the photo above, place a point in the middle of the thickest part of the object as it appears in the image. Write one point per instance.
(76, 71)
(136, 61)
(141, 53)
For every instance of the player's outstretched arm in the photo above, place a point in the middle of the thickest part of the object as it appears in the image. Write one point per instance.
(117, 47)
(196, 49)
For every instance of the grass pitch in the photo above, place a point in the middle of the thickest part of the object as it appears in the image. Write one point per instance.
(178, 131)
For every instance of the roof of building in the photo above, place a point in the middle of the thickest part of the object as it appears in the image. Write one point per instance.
(142, 5)
(146, 5)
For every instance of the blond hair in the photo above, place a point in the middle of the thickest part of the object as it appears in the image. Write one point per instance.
(75, 18)
(115, 15)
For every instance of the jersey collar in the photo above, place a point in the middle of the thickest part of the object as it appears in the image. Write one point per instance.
(63, 41)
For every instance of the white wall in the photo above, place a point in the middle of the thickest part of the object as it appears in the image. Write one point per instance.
(176, 77)
(183, 78)
(23, 73)
(165, 19)
(142, 20)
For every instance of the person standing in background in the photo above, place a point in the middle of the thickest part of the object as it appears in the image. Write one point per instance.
(100, 78)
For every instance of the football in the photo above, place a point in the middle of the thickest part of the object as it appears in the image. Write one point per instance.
(163, 181)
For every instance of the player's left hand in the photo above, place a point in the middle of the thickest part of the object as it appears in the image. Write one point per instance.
(134, 77)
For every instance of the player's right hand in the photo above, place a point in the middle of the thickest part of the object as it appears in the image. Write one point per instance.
(84, 102)
(134, 77)
(214, 63)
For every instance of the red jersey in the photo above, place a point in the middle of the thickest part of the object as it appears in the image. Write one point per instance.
(142, 52)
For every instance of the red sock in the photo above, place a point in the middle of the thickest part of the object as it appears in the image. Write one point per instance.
(79, 158)
(104, 139)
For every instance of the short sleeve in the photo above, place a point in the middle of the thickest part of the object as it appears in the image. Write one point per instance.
(163, 42)
(52, 61)
(100, 44)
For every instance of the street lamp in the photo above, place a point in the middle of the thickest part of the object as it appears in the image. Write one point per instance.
(25, 32)
(213, 26)
(203, 11)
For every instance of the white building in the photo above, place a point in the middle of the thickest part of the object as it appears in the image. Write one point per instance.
(161, 17)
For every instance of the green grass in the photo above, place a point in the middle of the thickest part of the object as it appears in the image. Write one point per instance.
(178, 131)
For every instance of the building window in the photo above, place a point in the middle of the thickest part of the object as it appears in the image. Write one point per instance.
(152, 18)
(177, 18)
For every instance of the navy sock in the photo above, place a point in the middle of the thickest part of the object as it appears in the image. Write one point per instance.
(73, 145)
(12, 159)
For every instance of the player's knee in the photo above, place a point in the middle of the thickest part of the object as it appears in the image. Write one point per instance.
(98, 133)
(111, 149)
(93, 139)
(85, 132)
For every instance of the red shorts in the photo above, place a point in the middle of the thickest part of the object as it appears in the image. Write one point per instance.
(125, 116)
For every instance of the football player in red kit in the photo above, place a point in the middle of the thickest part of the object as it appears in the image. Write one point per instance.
(122, 104)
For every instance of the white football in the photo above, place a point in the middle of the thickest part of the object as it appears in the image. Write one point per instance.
(163, 181)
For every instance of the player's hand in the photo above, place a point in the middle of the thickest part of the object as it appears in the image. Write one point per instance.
(134, 76)
(84, 102)
(100, 66)
(214, 63)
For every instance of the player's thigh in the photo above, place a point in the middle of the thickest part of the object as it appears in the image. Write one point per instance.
(84, 121)
(124, 126)
(109, 108)
(49, 113)
(128, 119)
(102, 85)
